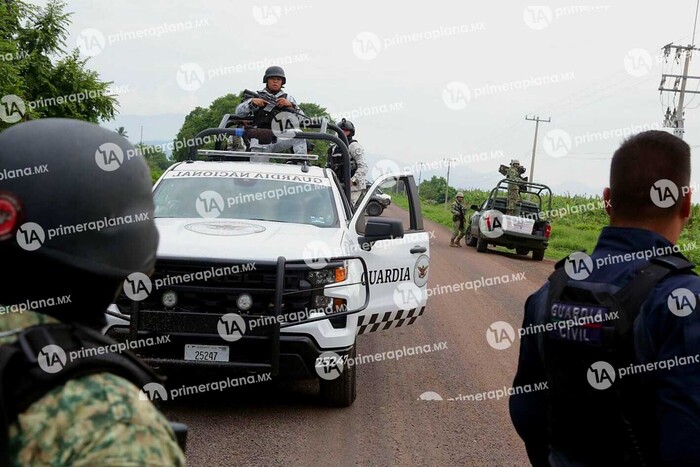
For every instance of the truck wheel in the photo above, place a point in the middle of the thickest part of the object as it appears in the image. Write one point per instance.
(374, 209)
(341, 391)
(522, 251)
(470, 240)
(538, 255)
(481, 245)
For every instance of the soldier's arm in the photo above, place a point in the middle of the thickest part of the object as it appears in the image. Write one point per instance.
(359, 153)
(95, 420)
(528, 410)
(244, 108)
(296, 106)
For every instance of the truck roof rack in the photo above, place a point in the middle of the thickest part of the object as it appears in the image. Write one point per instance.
(217, 154)
(266, 134)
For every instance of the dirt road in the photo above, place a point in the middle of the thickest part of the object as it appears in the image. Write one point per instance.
(389, 424)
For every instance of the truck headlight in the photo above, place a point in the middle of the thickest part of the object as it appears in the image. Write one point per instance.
(327, 276)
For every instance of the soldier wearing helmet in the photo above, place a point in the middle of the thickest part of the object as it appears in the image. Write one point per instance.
(458, 218)
(358, 166)
(263, 110)
(71, 236)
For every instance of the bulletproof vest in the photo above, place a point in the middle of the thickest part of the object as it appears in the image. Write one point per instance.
(609, 426)
(23, 382)
(262, 116)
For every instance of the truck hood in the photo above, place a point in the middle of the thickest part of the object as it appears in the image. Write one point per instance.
(234, 239)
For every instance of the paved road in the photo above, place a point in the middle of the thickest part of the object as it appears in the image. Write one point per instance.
(388, 423)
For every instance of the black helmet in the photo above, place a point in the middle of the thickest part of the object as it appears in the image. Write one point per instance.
(275, 71)
(347, 125)
(80, 197)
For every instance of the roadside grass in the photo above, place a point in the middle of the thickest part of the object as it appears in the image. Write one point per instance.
(576, 222)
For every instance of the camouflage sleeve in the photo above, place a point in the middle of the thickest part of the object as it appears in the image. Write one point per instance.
(296, 106)
(358, 153)
(94, 420)
(243, 109)
(455, 209)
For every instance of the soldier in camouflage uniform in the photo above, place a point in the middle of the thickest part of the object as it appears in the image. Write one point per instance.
(458, 220)
(96, 419)
(92, 421)
(513, 173)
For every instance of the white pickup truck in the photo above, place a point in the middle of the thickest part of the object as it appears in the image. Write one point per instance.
(264, 267)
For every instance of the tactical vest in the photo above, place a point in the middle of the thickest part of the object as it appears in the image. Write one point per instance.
(23, 382)
(335, 161)
(262, 118)
(586, 423)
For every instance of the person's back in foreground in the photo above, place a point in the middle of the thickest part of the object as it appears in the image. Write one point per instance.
(611, 397)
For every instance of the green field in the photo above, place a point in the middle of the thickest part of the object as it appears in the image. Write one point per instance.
(570, 232)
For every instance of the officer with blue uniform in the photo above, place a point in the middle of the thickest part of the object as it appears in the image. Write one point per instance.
(613, 396)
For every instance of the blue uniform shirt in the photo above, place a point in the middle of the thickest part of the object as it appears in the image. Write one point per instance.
(659, 335)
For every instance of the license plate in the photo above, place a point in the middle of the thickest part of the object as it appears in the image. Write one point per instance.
(518, 224)
(206, 353)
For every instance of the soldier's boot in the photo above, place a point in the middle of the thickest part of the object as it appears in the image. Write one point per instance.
(452, 242)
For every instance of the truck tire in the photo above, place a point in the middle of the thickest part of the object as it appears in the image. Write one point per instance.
(470, 240)
(538, 255)
(374, 209)
(481, 245)
(341, 391)
(522, 251)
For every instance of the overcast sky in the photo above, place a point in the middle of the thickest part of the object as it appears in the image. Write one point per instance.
(432, 82)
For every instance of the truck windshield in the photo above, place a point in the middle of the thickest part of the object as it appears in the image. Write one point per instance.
(246, 198)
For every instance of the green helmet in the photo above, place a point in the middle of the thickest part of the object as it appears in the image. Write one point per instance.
(275, 72)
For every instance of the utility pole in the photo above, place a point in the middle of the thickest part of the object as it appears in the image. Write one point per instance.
(675, 119)
(537, 121)
(447, 184)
